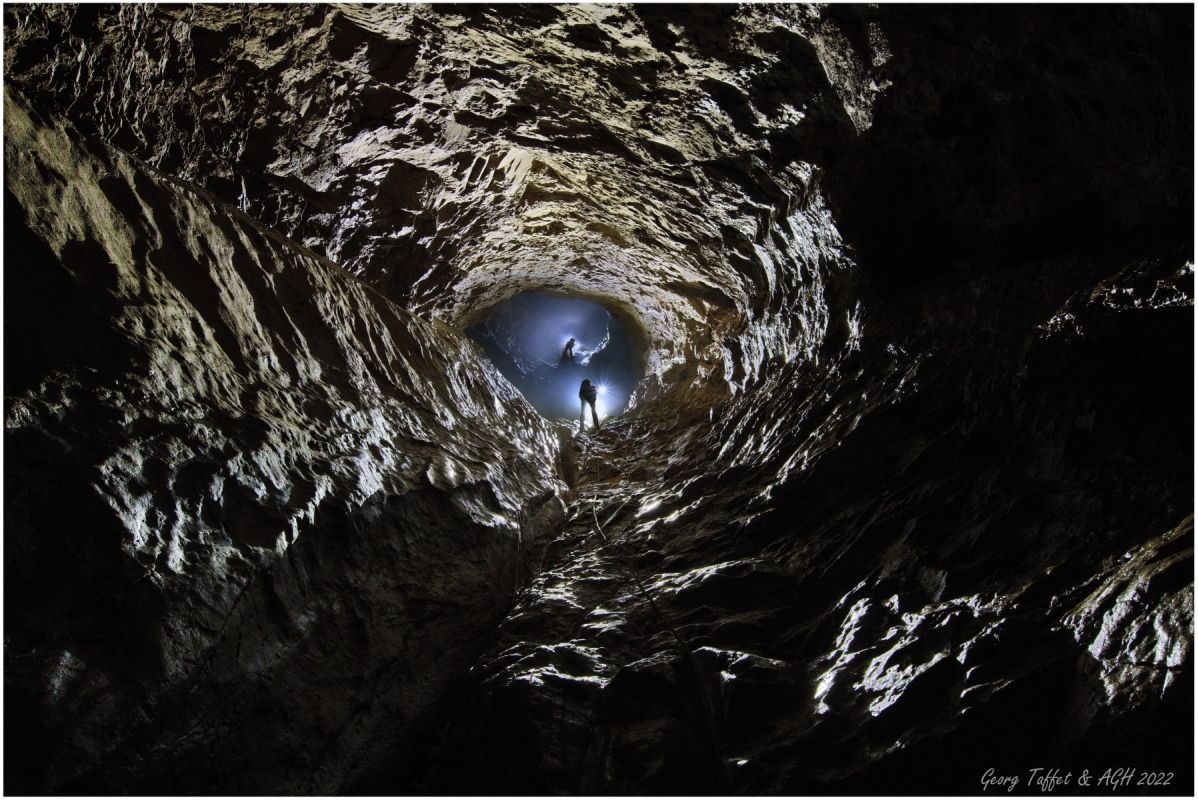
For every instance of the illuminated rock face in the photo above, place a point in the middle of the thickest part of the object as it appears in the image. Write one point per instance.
(222, 440)
(905, 496)
(453, 156)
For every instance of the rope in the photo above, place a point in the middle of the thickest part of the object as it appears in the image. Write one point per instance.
(520, 519)
(685, 647)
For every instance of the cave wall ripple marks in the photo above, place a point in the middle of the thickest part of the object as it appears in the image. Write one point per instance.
(453, 157)
(234, 458)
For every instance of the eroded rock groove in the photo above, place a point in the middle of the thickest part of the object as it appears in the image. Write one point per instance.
(908, 481)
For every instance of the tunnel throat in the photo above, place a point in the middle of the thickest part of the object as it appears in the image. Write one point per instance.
(526, 338)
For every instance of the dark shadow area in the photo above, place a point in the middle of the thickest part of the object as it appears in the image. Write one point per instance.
(528, 338)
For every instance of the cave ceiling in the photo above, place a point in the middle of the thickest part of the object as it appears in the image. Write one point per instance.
(905, 492)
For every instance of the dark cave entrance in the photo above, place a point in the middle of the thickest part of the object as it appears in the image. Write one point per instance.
(525, 336)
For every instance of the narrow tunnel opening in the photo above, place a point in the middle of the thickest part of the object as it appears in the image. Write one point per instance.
(547, 344)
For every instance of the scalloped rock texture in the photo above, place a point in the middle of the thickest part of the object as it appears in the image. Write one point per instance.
(907, 493)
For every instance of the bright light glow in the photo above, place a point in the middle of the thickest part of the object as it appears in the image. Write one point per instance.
(649, 508)
(526, 338)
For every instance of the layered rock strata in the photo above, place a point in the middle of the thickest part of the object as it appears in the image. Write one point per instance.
(455, 155)
(227, 461)
(907, 493)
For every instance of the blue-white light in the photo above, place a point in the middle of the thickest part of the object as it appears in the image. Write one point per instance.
(526, 338)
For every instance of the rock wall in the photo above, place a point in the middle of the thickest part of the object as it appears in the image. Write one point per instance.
(907, 494)
(455, 155)
(975, 556)
(228, 462)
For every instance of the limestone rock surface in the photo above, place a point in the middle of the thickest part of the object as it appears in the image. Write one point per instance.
(905, 495)
(228, 460)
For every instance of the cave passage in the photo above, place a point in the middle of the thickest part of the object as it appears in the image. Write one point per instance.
(893, 490)
(525, 337)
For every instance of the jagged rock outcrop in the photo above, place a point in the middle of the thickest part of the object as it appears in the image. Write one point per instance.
(451, 156)
(229, 460)
(906, 495)
(922, 583)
